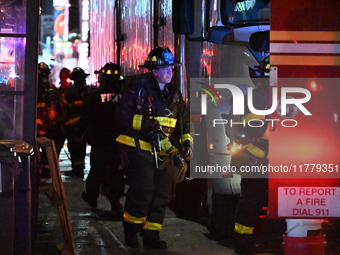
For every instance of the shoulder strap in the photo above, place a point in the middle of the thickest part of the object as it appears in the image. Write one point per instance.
(140, 97)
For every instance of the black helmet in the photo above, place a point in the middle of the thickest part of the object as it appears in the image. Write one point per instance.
(78, 73)
(43, 68)
(109, 68)
(262, 70)
(160, 57)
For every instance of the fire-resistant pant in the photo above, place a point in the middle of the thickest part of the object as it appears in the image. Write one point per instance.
(104, 161)
(150, 189)
(252, 199)
(77, 149)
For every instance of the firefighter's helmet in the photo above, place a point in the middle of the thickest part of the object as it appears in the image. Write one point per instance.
(110, 70)
(262, 70)
(43, 68)
(159, 57)
(78, 73)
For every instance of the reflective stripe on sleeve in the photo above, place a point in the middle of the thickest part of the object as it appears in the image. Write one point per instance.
(168, 122)
(186, 137)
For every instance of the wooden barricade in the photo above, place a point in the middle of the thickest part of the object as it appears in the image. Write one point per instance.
(57, 195)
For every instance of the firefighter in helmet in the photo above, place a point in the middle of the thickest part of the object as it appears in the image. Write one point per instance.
(253, 149)
(44, 87)
(153, 113)
(48, 113)
(72, 104)
(102, 130)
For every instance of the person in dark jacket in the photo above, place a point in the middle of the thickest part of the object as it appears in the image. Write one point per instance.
(152, 108)
(48, 114)
(72, 105)
(105, 174)
(254, 150)
(64, 83)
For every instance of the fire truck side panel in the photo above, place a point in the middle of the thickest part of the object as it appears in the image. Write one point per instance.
(305, 54)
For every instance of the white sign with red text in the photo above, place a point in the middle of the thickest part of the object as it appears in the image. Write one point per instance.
(313, 202)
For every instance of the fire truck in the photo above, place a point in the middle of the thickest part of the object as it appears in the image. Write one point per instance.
(220, 39)
(210, 39)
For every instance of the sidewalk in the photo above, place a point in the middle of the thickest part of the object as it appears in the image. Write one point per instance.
(95, 233)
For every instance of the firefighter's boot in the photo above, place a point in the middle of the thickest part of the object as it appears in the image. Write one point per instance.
(77, 172)
(245, 245)
(89, 199)
(131, 232)
(116, 208)
(151, 240)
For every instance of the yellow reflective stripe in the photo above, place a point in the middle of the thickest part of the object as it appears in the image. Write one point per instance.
(129, 218)
(130, 141)
(152, 226)
(137, 122)
(40, 122)
(168, 122)
(241, 229)
(166, 145)
(41, 105)
(71, 121)
(186, 137)
(256, 151)
(78, 102)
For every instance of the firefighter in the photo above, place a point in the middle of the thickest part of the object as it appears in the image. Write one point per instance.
(48, 113)
(46, 97)
(254, 150)
(152, 108)
(64, 83)
(72, 105)
(102, 130)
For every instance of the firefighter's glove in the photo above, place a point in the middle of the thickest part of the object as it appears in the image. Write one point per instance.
(166, 145)
(154, 125)
(187, 150)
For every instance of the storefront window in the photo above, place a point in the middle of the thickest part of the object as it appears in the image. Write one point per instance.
(12, 71)
(13, 16)
(12, 59)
